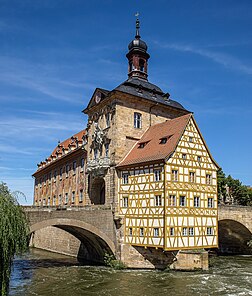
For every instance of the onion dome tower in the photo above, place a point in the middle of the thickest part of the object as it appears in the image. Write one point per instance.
(138, 56)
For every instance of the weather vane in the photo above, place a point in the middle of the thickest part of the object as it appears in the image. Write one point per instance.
(137, 14)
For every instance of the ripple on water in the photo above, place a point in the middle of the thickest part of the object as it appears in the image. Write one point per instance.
(46, 274)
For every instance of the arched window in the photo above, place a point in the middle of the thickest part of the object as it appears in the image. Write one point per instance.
(141, 65)
(130, 65)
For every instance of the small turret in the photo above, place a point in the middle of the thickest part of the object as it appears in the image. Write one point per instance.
(138, 56)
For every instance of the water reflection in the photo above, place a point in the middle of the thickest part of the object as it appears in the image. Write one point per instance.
(47, 274)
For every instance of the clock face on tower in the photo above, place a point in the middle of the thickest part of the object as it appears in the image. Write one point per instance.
(97, 97)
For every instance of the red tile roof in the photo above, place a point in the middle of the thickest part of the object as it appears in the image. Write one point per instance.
(65, 144)
(69, 144)
(153, 150)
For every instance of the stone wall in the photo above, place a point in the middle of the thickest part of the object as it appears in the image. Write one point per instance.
(240, 214)
(190, 260)
(235, 229)
(55, 240)
(149, 258)
(97, 217)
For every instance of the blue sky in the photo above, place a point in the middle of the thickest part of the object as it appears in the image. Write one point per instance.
(53, 54)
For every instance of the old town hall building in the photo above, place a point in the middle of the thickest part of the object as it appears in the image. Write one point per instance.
(141, 153)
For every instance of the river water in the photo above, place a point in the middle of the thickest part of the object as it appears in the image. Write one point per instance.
(48, 274)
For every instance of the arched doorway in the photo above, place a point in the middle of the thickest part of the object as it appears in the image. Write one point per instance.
(97, 195)
(233, 237)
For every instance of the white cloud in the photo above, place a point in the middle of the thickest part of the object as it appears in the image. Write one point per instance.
(21, 127)
(40, 79)
(223, 59)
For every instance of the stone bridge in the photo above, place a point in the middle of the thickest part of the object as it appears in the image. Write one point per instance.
(90, 232)
(85, 232)
(235, 229)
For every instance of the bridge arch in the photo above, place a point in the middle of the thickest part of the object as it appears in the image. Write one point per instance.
(233, 237)
(95, 242)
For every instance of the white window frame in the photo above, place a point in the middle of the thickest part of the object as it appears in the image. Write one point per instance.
(157, 175)
(191, 231)
(182, 198)
(184, 231)
(81, 195)
(172, 231)
(210, 202)
(137, 120)
(156, 232)
(174, 175)
(125, 178)
(208, 179)
(125, 202)
(158, 200)
(172, 200)
(210, 231)
(196, 201)
(192, 177)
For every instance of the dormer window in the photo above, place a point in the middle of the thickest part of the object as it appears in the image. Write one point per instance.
(163, 140)
(142, 145)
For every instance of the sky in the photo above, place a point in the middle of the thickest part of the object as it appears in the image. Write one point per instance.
(53, 54)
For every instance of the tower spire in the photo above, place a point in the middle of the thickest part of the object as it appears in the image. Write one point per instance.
(137, 26)
(137, 55)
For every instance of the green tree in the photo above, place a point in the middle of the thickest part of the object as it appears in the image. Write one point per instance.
(221, 185)
(13, 234)
(232, 190)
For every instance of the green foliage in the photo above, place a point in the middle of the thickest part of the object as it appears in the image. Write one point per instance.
(110, 261)
(13, 234)
(221, 185)
(232, 191)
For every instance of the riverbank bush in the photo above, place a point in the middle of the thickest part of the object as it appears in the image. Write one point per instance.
(112, 262)
(13, 234)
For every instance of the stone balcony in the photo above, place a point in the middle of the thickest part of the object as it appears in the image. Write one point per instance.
(98, 166)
